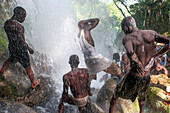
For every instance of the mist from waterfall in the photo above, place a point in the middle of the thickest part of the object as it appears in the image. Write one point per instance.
(51, 27)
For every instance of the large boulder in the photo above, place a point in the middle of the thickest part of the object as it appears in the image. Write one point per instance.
(13, 107)
(15, 81)
(92, 107)
(156, 94)
(43, 91)
(105, 94)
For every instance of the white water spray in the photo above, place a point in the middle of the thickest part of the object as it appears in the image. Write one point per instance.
(51, 27)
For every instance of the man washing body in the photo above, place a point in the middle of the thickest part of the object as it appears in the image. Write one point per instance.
(95, 62)
(139, 45)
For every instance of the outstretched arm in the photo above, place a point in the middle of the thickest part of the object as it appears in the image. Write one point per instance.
(162, 39)
(64, 95)
(88, 24)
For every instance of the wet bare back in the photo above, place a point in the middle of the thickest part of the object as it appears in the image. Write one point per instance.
(142, 43)
(15, 32)
(78, 82)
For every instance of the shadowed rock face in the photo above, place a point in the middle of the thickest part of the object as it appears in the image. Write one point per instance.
(105, 94)
(92, 107)
(14, 107)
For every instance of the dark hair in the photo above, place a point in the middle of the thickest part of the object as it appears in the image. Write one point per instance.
(19, 10)
(74, 59)
(116, 56)
(128, 21)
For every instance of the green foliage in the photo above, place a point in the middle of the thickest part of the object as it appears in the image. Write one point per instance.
(3, 41)
(6, 7)
(115, 14)
(8, 90)
(152, 14)
(109, 15)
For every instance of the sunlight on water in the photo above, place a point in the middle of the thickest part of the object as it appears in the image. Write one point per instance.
(51, 28)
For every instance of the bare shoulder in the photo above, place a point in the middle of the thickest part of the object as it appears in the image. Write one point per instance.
(147, 31)
(148, 35)
(66, 75)
(12, 24)
(84, 70)
(128, 37)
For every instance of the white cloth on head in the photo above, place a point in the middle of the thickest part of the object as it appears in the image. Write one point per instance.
(95, 62)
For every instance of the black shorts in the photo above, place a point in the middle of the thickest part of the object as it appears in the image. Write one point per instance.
(134, 86)
(21, 56)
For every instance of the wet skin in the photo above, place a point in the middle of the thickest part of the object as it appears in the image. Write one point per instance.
(139, 45)
(79, 82)
(125, 63)
(17, 45)
(87, 26)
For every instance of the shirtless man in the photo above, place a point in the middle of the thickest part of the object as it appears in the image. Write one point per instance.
(139, 45)
(78, 80)
(95, 62)
(18, 48)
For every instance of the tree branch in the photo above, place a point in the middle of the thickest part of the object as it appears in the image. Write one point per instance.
(125, 7)
(119, 8)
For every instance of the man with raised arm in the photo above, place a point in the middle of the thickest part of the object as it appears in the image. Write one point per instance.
(79, 82)
(95, 62)
(18, 48)
(139, 45)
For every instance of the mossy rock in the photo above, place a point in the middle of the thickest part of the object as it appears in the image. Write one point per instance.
(156, 96)
(7, 90)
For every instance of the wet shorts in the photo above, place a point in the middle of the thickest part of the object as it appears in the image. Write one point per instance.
(133, 86)
(20, 56)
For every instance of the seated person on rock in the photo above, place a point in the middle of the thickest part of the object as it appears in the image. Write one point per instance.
(79, 82)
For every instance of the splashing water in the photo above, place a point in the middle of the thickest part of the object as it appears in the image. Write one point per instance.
(51, 29)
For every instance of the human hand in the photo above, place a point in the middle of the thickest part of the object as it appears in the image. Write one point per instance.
(31, 51)
(90, 94)
(140, 68)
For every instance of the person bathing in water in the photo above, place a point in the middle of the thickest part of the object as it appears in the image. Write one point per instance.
(95, 62)
(18, 48)
(79, 82)
(139, 45)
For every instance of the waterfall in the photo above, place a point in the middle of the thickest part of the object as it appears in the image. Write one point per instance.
(51, 28)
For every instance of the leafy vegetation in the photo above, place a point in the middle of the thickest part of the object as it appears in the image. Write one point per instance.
(6, 7)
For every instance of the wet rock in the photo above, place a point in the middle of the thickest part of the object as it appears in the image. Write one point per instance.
(13, 107)
(157, 94)
(43, 91)
(15, 80)
(105, 94)
(92, 107)
(41, 63)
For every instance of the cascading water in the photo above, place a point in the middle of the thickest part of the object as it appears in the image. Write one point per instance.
(51, 27)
